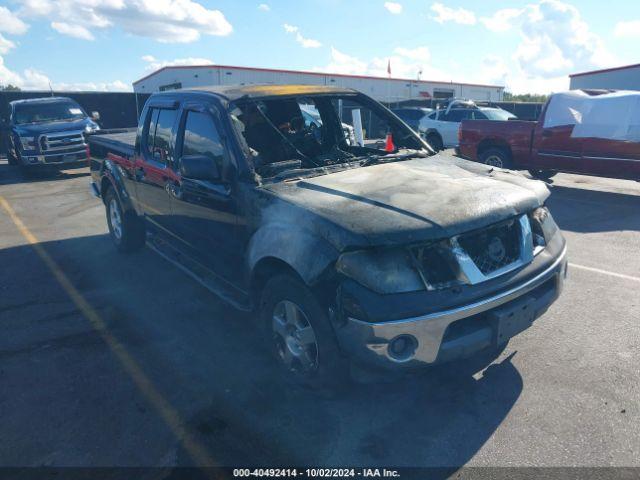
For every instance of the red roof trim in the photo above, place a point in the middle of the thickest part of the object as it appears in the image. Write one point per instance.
(342, 75)
(605, 70)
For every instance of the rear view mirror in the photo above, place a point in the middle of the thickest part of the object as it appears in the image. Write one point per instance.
(199, 167)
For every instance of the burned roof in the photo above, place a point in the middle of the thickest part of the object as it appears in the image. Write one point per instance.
(235, 92)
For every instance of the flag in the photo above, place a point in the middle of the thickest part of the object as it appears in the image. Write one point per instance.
(389, 67)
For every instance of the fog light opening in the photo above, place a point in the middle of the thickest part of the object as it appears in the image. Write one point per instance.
(403, 347)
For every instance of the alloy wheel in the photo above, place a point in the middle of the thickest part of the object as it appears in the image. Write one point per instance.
(295, 340)
(115, 218)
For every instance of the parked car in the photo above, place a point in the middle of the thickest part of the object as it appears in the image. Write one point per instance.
(440, 128)
(348, 254)
(48, 132)
(545, 149)
(412, 115)
(313, 121)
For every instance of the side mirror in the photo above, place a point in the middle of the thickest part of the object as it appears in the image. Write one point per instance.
(199, 167)
(95, 116)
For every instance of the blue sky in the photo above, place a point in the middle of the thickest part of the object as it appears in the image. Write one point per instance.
(106, 44)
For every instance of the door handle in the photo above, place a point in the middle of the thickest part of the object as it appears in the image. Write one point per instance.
(547, 133)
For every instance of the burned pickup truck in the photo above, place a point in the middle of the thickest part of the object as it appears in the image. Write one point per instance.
(391, 257)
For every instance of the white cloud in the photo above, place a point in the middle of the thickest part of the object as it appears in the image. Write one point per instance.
(76, 31)
(630, 28)
(31, 79)
(264, 7)
(456, 15)
(554, 42)
(305, 42)
(155, 64)
(405, 63)
(393, 7)
(8, 77)
(419, 54)
(5, 45)
(167, 21)
(10, 23)
(502, 20)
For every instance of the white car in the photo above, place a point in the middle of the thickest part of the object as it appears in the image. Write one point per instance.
(440, 128)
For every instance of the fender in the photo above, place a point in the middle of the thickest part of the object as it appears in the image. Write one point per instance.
(308, 254)
(113, 173)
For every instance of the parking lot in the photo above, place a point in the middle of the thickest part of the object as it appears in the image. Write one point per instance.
(117, 360)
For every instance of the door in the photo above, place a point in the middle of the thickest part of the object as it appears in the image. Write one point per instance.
(555, 149)
(611, 158)
(205, 211)
(152, 171)
(449, 125)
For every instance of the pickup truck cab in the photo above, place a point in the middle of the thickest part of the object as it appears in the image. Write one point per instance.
(545, 148)
(391, 259)
(48, 132)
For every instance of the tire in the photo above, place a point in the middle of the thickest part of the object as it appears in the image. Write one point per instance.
(496, 157)
(435, 140)
(125, 228)
(545, 175)
(11, 158)
(299, 334)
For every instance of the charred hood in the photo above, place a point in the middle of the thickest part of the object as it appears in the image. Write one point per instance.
(411, 201)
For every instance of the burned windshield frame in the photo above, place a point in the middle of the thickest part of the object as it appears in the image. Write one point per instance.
(288, 143)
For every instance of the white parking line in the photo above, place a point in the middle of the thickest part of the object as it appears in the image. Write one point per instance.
(605, 272)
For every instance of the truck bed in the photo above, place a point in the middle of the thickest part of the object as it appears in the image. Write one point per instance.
(121, 142)
(478, 135)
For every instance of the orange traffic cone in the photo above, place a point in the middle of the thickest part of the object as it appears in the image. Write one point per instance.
(389, 146)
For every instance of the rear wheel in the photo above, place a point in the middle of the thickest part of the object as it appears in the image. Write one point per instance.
(299, 333)
(125, 228)
(542, 174)
(496, 157)
(435, 141)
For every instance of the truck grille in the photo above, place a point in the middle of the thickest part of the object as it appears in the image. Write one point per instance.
(62, 142)
(495, 247)
(475, 257)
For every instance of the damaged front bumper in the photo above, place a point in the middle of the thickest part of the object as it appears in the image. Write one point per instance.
(454, 333)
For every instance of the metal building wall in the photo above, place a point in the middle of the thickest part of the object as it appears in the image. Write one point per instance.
(382, 89)
(623, 79)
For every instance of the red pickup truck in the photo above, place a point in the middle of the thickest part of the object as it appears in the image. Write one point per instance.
(546, 147)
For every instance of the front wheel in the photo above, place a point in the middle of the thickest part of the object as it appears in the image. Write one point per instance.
(11, 158)
(299, 333)
(542, 174)
(125, 228)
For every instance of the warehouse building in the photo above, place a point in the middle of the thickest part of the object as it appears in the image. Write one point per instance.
(619, 78)
(382, 89)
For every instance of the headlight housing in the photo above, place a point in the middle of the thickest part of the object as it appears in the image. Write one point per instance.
(543, 226)
(91, 128)
(381, 270)
(28, 143)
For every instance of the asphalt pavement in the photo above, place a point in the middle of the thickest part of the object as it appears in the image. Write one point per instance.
(123, 360)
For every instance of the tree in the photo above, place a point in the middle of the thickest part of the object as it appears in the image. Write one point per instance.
(525, 97)
(9, 88)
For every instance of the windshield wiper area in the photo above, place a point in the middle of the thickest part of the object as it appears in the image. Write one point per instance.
(393, 157)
